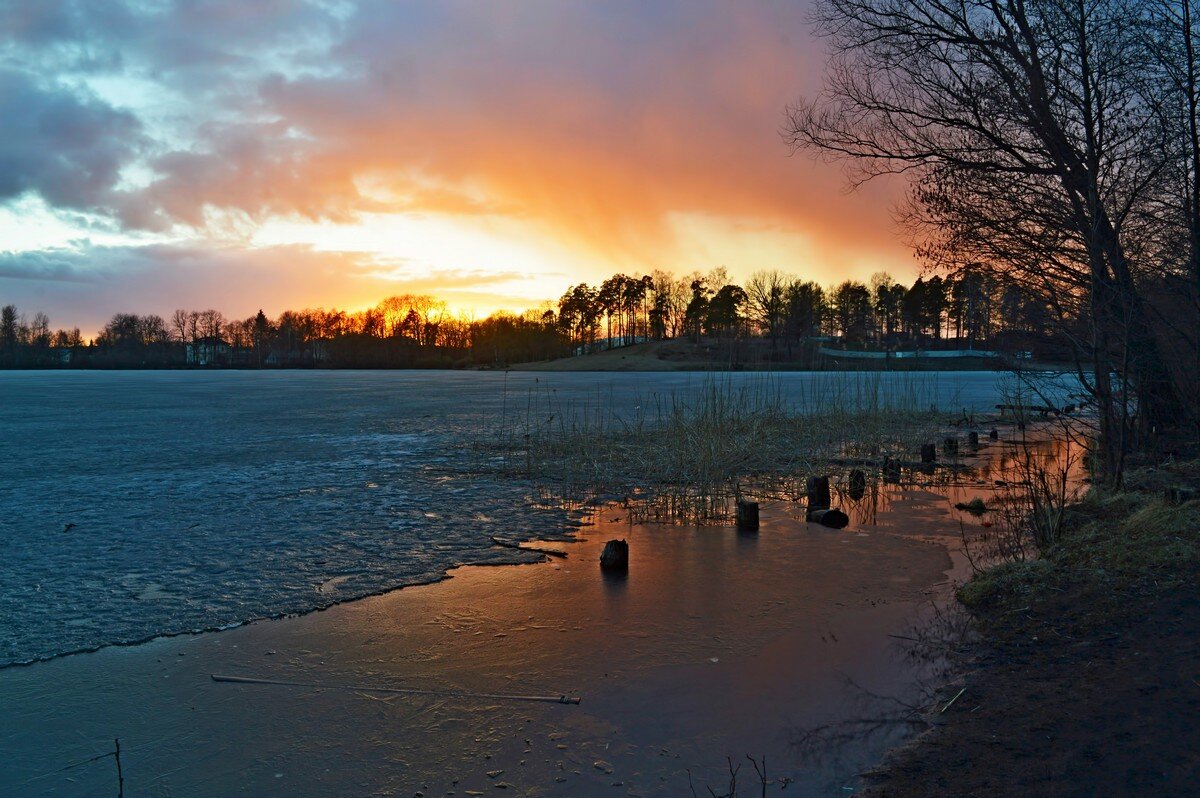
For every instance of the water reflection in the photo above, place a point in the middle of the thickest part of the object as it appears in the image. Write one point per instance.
(1003, 476)
(865, 489)
(615, 580)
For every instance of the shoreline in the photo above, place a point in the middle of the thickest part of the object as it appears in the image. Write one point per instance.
(282, 616)
(569, 530)
(237, 624)
(1093, 642)
(549, 366)
(676, 355)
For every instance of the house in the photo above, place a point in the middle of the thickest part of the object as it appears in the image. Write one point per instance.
(209, 351)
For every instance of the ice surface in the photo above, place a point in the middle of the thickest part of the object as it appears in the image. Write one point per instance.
(134, 504)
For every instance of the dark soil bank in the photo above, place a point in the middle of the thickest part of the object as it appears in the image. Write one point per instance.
(1112, 713)
(1087, 682)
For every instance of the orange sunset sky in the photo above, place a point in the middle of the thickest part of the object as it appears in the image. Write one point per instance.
(283, 154)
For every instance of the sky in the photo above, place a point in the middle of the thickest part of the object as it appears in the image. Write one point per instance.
(275, 154)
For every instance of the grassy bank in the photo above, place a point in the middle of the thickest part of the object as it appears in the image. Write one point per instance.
(1111, 547)
(1084, 678)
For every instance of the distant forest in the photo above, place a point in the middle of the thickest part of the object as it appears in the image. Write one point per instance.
(784, 313)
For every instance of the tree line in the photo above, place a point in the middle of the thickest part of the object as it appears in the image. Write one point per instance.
(415, 331)
(968, 308)
(410, 331)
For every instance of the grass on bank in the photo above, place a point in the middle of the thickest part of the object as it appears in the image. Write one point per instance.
(1111, 547)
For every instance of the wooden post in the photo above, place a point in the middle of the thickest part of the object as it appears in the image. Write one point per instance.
(973, 439)
(615, 556)
(818, 493)
(950, 447)
(928, 453)
(891, 470)
(747, 515)
(858, 484)
(994, 434)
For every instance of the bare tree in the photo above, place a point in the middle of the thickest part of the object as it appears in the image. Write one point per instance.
(181, 326)
(39, 331)
(212, 323)
(1172, 36)
(1034, 149)
(766, 303)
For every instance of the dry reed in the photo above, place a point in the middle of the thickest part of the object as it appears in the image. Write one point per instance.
(682, 457)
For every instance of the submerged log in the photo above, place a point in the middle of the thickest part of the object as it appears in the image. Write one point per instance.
(833, 518)
(858, 484)
(747, 515)
(818, 493)
(929, 453)
(615, 556)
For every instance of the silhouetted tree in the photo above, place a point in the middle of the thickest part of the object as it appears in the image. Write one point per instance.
(8, 333)
(1037, 144)
(724, 311)
(766, 303)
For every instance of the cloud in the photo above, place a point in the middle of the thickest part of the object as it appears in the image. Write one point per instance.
(596, 126)
(46, 265)
(597, 121)
(66, 146)
(167, 38)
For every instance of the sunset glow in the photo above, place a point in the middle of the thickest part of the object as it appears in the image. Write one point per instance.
(295, 154)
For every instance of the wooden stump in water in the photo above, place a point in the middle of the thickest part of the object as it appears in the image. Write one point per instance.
(818, 493)
(929, 453)
(950, 447)
(835, 519)
(858, 484)
(615, 556)
(891, 470)
(994, 434)
(747, 516)
(973, 439)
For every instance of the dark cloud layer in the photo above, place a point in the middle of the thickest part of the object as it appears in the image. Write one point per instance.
(62, 144)
(48, 265)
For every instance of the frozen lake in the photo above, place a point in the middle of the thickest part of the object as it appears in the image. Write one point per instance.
(134, 504)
